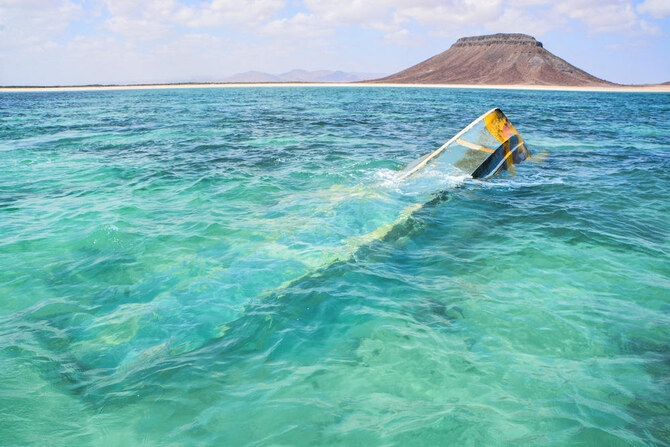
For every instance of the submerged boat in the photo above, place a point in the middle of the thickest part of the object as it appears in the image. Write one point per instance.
(485, 147)
(96, 365)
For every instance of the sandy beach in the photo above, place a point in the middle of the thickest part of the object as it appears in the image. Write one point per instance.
(640, 89)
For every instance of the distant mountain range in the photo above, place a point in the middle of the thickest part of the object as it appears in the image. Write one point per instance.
(302, 76)
(500, 59)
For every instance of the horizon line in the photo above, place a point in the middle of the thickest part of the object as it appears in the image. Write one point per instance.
(658, 88)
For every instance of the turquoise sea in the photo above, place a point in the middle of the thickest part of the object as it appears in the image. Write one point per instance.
(241, 266)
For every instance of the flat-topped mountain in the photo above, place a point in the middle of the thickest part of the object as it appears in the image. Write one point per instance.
(500, 59)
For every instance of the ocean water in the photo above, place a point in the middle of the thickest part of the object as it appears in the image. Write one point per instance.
(241, 266)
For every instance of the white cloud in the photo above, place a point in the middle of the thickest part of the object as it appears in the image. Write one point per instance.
(142, 29)
(300, 25)
(205, 14)
(393, 16)
(403, 38)
(657, 9)
(358, 12)
(526, 3)
(230, 12)
(466, 13)
(452, 18)
(123, 7)
(34, 22)
(138, 38)
(649, 28)
(600, 16)
(536, 23)
(95, 47)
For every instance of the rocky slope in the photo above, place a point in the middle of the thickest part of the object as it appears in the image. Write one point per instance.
(502, 59)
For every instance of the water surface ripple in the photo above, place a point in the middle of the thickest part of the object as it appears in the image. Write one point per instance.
(205, 266)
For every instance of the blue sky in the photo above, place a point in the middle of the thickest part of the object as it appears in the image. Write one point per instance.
(64, 42)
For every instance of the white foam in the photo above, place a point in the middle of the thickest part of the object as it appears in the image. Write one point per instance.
(426, 181)
(432, 180)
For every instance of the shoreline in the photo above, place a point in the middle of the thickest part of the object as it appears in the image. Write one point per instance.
(639, 89)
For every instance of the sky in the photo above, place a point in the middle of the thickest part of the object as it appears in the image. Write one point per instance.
(74, 42)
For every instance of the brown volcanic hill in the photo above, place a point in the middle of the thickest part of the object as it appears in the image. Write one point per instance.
(499, 59)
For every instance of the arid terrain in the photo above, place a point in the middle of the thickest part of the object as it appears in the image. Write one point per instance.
(497, 59)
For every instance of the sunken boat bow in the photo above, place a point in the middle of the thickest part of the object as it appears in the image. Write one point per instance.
(488, 145)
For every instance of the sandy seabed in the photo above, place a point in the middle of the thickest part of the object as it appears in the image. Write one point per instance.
(631, 88)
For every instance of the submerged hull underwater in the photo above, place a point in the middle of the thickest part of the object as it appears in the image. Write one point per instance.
(487, 146)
